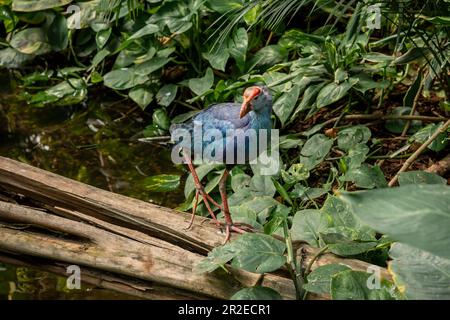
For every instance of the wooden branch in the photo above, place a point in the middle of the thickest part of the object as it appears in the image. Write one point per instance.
(418, 152)
(441, 167)
(129, 286)
(103, 231)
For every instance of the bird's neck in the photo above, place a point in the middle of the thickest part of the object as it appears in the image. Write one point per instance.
(261, 119)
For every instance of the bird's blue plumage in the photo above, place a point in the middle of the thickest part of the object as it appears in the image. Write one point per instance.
(225, 118)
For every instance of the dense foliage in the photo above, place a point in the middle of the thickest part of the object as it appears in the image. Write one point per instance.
(172, 58)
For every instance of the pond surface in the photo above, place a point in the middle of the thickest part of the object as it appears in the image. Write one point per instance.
(95, 143)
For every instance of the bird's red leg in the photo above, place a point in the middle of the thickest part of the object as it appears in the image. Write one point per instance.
(194, 209)
(206, 197)
(229, 226)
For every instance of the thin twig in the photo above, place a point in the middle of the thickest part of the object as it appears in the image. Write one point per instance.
(413, 109)
(382, 117)
(416, 154)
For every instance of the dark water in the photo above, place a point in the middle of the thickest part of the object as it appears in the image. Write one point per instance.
(94, 143)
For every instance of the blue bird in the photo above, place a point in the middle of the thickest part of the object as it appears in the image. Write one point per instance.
(225, 131)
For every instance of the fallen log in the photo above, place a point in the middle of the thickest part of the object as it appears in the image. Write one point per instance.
(71, 222)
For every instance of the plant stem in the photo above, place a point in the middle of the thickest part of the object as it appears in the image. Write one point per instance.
(293, 267)
(309, 266)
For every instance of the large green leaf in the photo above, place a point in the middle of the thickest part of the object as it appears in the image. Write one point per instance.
(237, 47)
(142, 95)
(315, 150)
(307, 225)
(58, 34)
(123, 79)
(319, 281)
(217, 258)
(345, 241)
(352, 285)
(418, 215)
(37, 5)
(420, 177)
(162, 183)
(151, 65)
(166, 94)
(11, 58)
(425, 133)
(366, 176)
(201, 85)
(285, 104)
(256, 293)
(419, 274)
(31, 41)
(334, 92)
(348, 138)
(340, 213)
(259, 253)
(69, 92)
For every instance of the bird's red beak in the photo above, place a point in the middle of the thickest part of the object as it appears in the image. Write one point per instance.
(249, 95)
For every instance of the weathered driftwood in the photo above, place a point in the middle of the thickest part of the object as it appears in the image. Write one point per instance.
(80, 224)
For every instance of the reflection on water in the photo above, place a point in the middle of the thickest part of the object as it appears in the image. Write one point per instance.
(19, 283)
(92, 143)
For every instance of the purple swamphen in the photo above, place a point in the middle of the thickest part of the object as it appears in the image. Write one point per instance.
(253, 114)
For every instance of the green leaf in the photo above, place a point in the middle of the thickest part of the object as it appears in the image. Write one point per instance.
(396, 126)
(282, 191)
(269, 56)
(334, 92)
(297, 172)
(31, 41)
(240, 181)
(150, 66)
(68, 92)
(142, 95)
(366, 176)
(200, 85)
(408, 100)
(345, 241)
(237, 47)
(417, 215)
(102, 37)
(315, 150)
(162, 183)
(319, 280)
(144, 31)
(37, 5)
(123, 79)
(161, 119)
(225, 6)
(353, 285)
(340, 213)
(217, 258)
(257, 293)
(425, 133)
(420, 177)
(411, 55)
(285, 104)
(419, 274)
(307, 224)
(309, 97)
(259, 253)
(166, 94)
(58, 34)
(217, 58)
(352, 136)
(11, 58)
